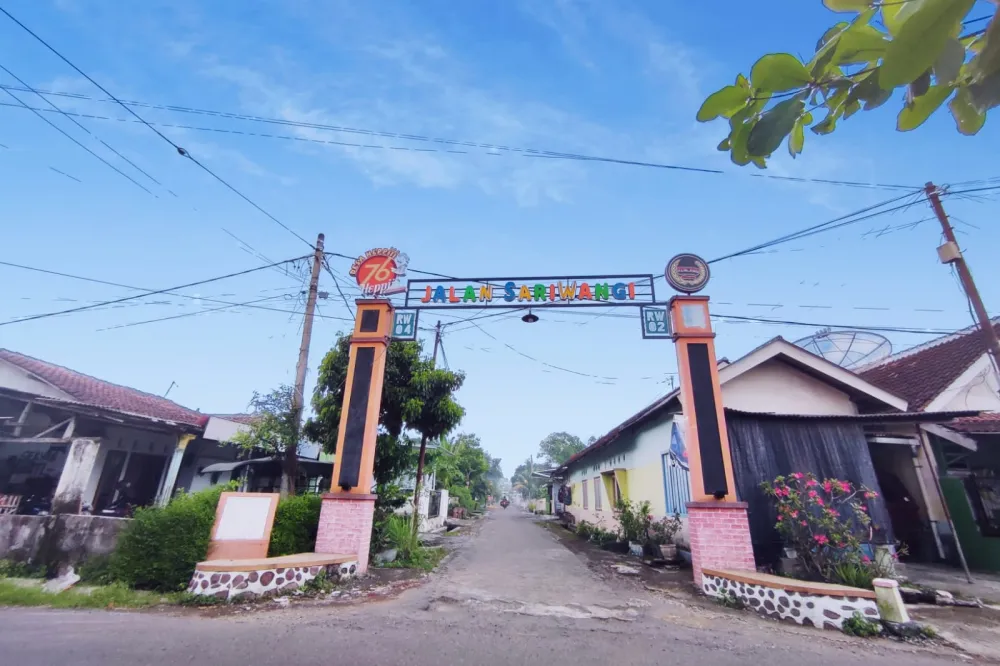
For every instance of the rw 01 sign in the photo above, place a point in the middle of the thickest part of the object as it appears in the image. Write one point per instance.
(655, 322)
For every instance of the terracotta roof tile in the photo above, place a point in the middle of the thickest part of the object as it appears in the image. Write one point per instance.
(245, 419)
(988, 422)
(921, 374)
(97, 392)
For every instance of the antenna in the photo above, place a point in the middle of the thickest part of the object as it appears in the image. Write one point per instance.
(172, 384)
(847, 348)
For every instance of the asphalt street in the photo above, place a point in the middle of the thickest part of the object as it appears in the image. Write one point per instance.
(513, 595)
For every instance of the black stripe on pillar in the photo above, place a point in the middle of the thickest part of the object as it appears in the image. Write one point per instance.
(713, 469)
(369, 321)
(357, 416)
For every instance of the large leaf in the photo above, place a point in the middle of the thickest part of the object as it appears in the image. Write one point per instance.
(894, 14)
(738, 141)
(798, 136)
(988, 60)
(869, 92)
(921, 39)
(779, 72)
(949, 63)
(861, 43)
(723, 103)
(968, 118)
(914, 115)
(847, 5)
(774, 125)
(826, 48)
(985, 94)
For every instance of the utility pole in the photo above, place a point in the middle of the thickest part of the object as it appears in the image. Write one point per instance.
(437, 343)
(419, 479)
(950, 253)
(291, 466)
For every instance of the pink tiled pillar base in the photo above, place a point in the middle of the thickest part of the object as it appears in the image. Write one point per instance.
(345, 526)
(720, 537)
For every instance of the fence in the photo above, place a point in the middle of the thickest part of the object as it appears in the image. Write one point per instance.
(676, 485)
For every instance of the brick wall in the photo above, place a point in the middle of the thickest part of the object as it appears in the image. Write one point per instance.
(345, 526)
(720, 537)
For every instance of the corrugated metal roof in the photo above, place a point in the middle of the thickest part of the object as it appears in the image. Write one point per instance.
(891, 417)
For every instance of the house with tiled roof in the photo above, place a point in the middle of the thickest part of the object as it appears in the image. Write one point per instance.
(955, 372)
(69, 440)
(786, 410)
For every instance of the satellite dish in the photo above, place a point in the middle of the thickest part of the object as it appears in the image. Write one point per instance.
(847, 348)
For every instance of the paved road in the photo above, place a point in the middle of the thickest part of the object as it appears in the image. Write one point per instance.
(513, 596)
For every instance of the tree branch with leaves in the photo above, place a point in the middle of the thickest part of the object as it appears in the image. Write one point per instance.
(930, 49)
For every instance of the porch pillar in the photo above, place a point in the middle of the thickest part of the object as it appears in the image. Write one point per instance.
(717, 521)
(170, 478)
(75, 475)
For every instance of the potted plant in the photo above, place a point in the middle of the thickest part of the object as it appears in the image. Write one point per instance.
(633, 523)
(661, 536)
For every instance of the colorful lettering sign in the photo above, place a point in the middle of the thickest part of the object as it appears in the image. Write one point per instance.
(377, 270)
(527, 292)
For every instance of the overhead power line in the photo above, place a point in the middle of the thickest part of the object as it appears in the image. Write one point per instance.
(190, 314)
(181, 151)
(494, 149)
(84, 128)
(148, 293)
(73, 139)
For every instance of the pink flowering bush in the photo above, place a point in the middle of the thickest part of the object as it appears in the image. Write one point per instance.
(825, 522)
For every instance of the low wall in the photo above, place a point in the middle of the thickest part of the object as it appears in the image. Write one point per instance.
(63, 539)
(812, 604)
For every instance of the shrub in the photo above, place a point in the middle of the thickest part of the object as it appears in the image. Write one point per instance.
(96, 570)
(824, 522)
(602, 537)
(662, 531)
(464, 497)
(390, 498)
(634, 520)
(12, 569)
(160, 547)
(400, 536)
(856, 625)
(584, 529)
(295, 524)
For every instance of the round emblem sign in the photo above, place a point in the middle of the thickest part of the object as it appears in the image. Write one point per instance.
(687, 273)
(377, 270)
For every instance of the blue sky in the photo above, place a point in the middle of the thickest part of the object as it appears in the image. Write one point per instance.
(620, 79)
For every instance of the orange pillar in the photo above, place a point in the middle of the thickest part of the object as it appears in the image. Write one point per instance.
(717, 521)
(345, 522)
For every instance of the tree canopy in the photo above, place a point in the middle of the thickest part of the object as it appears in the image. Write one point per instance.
(274, 430)
(931, 49)
(557, 447)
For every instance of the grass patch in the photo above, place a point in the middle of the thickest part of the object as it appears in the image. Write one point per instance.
(108, 596)
(422, 558)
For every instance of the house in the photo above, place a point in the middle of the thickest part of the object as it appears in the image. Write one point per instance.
(954, 372)
(786, 410)
(69, 440)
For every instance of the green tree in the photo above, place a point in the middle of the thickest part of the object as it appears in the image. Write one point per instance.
(931, 49)
(558, 447)
(274, 430)
(524, 480)
(394, 451)
(433, 412)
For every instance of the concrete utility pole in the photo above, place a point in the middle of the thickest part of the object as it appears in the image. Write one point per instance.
(950, 253)
(419, 479)
(291, 465)
(437, 343)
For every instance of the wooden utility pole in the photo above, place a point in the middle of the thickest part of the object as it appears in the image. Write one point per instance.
(291, 463)
(419, 479)
(950, 253)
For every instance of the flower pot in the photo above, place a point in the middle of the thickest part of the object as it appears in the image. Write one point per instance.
(635, 548)
(790, 553)
(386, 556)
(668, 551)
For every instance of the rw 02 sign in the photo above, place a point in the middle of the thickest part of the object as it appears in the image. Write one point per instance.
(655, 322)
(404, 325)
